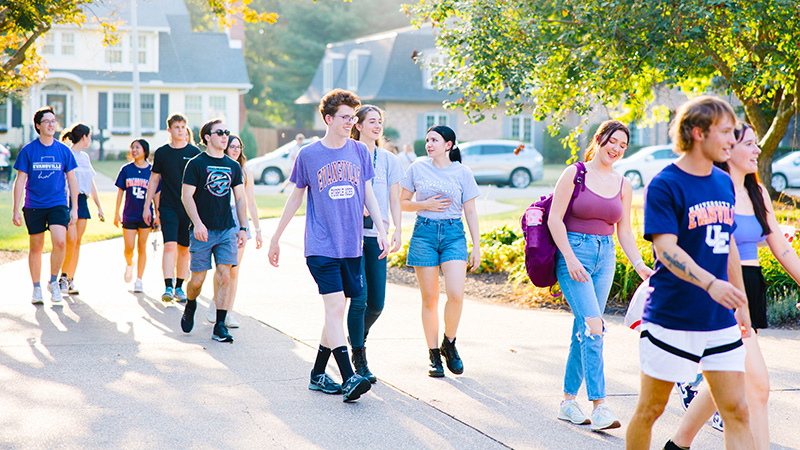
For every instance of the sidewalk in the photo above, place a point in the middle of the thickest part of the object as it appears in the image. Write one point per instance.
(111, 369)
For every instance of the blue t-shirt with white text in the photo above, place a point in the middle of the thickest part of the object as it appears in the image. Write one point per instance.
(46, 167)
(699, 210)
(134, 181)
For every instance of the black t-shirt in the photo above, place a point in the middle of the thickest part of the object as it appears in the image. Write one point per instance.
(214, 179)
(169, 162)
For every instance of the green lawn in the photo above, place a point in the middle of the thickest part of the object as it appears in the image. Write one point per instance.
(16, 238)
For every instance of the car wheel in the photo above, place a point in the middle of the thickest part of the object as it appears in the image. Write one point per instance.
(520, 178)
(271, 176)
(779, 182)
(635, 178)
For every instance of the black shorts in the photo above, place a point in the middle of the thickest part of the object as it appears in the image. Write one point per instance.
(134, 225)
(175, 225)
(40, 220)
(336, 274)
(83, 207)
(756, 289)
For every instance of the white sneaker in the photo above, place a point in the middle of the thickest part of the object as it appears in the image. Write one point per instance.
(137, 286)
(128, 274)
(36, 298)
(63, 283)
(603, 418)
(71, 289)
(716, 422)
(55, 292)
(231, 321)
(570, 411)
(211, 314)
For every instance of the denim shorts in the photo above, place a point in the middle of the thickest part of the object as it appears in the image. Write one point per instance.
(434, 242)
(221, 243)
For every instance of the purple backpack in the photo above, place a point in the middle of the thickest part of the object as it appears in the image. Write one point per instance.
(540, 250)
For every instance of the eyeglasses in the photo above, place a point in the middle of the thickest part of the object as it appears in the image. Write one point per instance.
(49, 122)
(222, 132)
(347, 118)
(235, 147)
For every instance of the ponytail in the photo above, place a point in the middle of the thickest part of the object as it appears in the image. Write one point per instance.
(455, 154)
(448, 135)
(77, 133)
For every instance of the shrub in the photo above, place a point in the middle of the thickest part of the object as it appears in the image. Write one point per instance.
(391, 134)
(419, 147)
(249, 142)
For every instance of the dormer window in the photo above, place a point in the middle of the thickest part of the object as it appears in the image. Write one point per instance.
(431, 60)
(327, 75)
(352, 72)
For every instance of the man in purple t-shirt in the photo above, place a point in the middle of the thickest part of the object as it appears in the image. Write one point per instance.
(41, 166)
(335, 171)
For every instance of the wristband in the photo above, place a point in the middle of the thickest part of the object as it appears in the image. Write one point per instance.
(242, 228)
(636, 264)
(258, 230)
(710, 283)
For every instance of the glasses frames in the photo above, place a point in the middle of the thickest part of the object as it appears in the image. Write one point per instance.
(221, 133)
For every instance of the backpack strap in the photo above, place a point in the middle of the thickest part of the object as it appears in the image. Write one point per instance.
(580, 185)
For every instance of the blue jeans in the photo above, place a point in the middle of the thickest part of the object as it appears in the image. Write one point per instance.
(587, 300)
(366, 307)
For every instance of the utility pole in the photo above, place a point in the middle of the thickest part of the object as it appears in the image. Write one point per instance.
(135, 101)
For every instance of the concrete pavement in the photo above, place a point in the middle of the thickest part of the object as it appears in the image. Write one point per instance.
(111, 369)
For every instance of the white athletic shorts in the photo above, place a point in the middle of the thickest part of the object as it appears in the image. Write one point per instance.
(676, 355)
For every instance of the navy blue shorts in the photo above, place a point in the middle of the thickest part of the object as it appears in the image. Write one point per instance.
(336, 274)
(40, 220)
(83, 207)
(175, 225)
(134, 225)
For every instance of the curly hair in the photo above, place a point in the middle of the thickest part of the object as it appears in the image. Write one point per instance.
(331, 102)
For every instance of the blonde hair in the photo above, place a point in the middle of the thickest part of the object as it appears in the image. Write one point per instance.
(701, 112)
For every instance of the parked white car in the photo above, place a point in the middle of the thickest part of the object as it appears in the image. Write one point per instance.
(786, 171)
(495, 161)
(274, 167)
(643, 165)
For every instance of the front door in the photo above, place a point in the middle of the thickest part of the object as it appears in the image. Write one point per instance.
(59, 104)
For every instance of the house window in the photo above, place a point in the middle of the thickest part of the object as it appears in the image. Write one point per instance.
(433, 119)
(327, 75)
(121, 111)
(148, 111)
(114, 53)
(194, 110)
(67, 43)
(49, 46)
(429, 67)
(4, 115)
(217, 105)
(640, 136)
(352, 72)
(521, 128)
(142, 50)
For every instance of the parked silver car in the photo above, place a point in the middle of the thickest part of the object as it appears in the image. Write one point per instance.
(642, 166)
(495, 161)
(274, 167)
(786, 171)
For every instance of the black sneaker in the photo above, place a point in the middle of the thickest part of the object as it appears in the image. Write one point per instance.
(187, 321)
(354, 387)
(323, 383)
(450, 354)
(221, 333)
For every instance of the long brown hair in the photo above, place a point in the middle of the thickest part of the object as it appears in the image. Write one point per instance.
(361, 115)
(241, 159)
(751, 183)
(603, 135)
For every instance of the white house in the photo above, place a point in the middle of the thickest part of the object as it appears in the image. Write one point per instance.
(201, 75)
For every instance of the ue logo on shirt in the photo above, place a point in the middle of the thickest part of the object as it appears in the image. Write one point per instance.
(218, 182)
(341, 192)
(49, 165)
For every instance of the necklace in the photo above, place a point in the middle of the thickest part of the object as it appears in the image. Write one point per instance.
(603, 179)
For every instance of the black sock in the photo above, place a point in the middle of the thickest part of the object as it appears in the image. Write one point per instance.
(343, 361)
(323, 354)
(63, 275)
(673, 446)
(221, 314)
(178, 283)
(168, 282)
(191, 306)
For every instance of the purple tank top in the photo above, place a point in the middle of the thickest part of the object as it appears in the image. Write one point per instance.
(594, 214)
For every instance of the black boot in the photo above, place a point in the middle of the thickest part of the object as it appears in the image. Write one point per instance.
(360, 364)
(435, 370)
(450, 354)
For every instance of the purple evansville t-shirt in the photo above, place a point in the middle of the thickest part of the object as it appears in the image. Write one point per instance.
(335, 207)
(46, 167)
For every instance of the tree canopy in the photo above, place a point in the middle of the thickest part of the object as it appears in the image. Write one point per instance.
(562, 56)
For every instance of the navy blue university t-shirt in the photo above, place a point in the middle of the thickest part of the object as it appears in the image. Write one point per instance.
(699, 210)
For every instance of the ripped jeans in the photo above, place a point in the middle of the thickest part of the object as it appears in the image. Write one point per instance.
(587, 300)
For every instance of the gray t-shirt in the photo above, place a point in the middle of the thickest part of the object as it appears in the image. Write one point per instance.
(454, 182)
(335, 180)
(388, 171)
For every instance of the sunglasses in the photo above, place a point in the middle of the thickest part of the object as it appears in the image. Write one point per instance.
(222, 132)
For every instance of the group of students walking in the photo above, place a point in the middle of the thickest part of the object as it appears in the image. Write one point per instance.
(707, 297)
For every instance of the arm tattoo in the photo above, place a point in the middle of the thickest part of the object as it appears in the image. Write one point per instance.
(674, 262)
(786, 252)
(694, 277)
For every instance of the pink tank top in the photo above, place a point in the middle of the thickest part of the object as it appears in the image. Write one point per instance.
(594, 214)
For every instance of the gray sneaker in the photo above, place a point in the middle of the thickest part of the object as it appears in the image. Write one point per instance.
(603, 418)
(63, 283)
(36, 298)
(324, 383)
(571, 412)
(71, 289)
(211, 313)
(55, 292)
